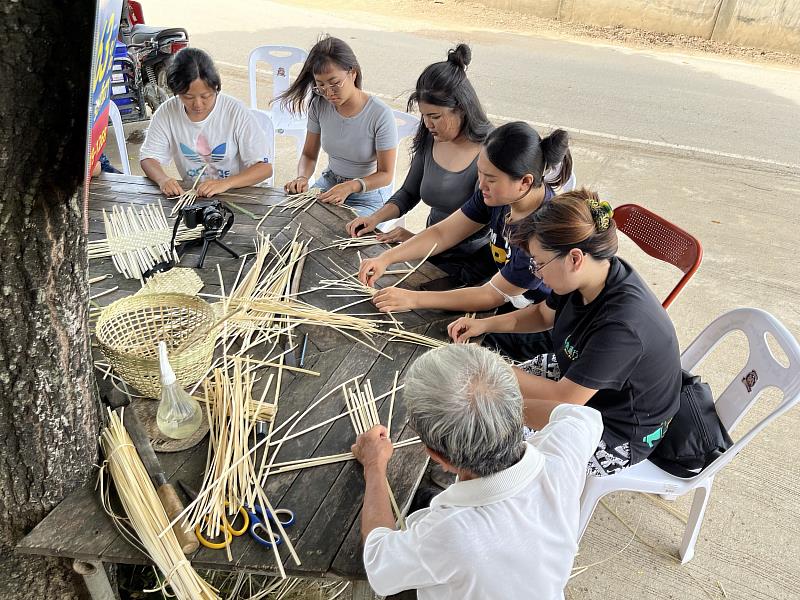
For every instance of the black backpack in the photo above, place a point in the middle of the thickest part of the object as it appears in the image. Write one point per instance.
(695, 436)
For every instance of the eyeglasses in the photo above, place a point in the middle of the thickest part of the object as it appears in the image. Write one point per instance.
(535, 269)
(323, 90)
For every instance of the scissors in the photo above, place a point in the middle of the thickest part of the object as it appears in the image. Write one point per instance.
(258, 524)
(253, 522)
(226, 527)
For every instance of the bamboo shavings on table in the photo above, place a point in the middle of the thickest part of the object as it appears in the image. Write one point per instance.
(145, 513)
(137, 241)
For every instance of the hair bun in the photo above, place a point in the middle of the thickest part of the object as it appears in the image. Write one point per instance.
(601, 213)
(461, 56)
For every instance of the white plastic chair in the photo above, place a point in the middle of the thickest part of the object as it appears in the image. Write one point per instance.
(407, 125)
(119, 135)
(761, 371)
(281, 59)
(265, 123)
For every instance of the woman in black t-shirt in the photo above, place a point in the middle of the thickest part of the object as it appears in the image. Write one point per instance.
(615, 347)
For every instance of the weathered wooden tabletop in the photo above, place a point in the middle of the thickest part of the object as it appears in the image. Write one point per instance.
(326, 499)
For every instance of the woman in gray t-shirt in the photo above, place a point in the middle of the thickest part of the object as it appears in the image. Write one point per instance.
(356, 130)
(444, 170)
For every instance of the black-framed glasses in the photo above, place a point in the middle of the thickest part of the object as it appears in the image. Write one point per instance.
(535, 269)
(322, 90)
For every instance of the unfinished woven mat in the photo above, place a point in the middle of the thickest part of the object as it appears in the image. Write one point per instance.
(137, 241)
(128, 332)
(178, 280)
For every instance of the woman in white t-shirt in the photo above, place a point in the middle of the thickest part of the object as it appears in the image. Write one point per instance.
(204, 132)
(356, 130)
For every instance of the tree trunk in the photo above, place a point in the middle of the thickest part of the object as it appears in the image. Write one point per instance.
(48, 415)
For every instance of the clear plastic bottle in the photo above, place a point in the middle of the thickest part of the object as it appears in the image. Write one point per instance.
(179, 415)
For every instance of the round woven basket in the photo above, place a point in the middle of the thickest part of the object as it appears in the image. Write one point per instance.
(128, 332)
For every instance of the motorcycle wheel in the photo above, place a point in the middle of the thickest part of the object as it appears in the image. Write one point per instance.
(158, 91)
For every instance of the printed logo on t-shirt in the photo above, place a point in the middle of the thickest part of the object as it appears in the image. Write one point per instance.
(501, 255)
(570, 350)
(205, 155)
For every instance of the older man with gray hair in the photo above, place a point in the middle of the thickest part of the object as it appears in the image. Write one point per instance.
(508, 527)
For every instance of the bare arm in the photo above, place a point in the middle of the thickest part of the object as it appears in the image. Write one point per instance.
(155, 172)
(485, 297)
(444, 235)
(373, 449)
(541, 396)
(531, 319)
(306, 165)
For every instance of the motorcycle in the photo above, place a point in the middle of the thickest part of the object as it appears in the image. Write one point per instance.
(139, 78)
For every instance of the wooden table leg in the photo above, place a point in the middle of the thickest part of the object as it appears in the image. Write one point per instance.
(362, 591)
(94, 575)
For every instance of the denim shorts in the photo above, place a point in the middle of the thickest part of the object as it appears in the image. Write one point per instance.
(363, 203)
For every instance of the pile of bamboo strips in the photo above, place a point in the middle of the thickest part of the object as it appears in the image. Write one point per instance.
(137, 241)
(409, 337)
(145, 514)
(355, 242)
(296, 202)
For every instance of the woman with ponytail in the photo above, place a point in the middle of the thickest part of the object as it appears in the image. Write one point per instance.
(443, 172)
(511, 166)
(615, 346)
(356, 130)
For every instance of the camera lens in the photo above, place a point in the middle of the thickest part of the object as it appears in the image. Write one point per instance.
(212, 218)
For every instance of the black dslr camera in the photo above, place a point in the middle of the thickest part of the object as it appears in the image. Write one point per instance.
(216, 219)
(211, 216)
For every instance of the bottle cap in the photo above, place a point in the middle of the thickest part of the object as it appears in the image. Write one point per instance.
(167, 374)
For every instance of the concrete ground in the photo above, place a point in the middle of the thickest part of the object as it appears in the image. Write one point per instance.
(709, 143)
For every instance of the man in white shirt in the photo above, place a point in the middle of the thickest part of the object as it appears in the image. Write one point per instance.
(206, 134)
(508, 527)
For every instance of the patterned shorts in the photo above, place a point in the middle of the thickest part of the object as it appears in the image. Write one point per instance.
(606, 460)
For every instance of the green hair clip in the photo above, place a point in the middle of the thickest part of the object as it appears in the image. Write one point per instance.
(601, 213)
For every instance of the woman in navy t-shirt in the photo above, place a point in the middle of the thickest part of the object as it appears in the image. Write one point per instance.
(615, 346)
(511, 167)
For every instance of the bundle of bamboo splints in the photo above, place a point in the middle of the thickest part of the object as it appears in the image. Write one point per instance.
(145, 514)
(138, 240)
(296, 203)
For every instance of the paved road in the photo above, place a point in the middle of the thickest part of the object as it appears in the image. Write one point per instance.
(664, 98)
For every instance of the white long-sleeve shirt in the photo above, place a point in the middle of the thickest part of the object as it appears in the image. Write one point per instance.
(509, 535)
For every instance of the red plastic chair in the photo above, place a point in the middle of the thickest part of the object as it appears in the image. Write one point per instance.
(662, 240)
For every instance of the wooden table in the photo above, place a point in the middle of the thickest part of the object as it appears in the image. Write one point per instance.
(326, 500)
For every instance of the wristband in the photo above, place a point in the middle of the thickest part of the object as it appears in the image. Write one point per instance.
(302, 177)
(363, 184)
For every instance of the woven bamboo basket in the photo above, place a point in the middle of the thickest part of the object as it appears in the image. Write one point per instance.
(128, 332)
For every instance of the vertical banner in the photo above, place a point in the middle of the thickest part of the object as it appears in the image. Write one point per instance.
(106, 27)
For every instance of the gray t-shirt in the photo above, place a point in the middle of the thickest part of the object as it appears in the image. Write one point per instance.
(444, 191)
(352, 143)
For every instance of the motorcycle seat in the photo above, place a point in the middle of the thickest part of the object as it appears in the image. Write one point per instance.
(142, 33)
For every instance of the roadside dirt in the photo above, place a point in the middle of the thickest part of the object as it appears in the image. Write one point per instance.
(459, 15)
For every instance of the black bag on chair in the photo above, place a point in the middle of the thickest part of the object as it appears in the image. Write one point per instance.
(695, 436)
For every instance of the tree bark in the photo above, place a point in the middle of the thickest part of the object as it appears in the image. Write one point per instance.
(48, 414)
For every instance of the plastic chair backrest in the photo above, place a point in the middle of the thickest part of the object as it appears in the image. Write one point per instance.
(407, 124)
(281, 59)
(761, 371)
(662, 240)
(119, 135)
(265, 123)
